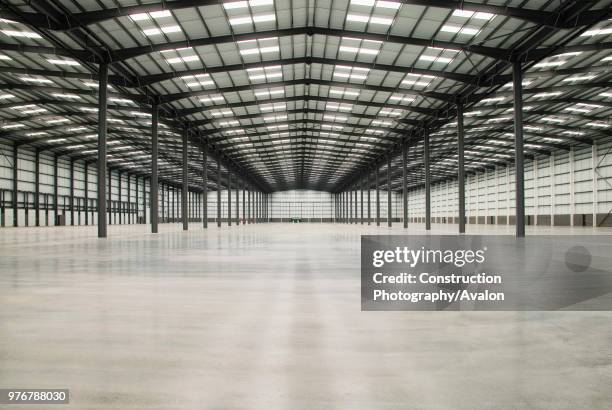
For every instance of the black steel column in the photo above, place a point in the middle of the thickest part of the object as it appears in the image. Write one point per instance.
(137, 203)
(120, 207)
(102, 106)
(377, 198)
(389, 198)
(517, 76)
(144, 200)
(185, 194)
(72, 192)
(229, 197)
(15, 180)
(361, 200)
(461, 167)
(237, 201)
(219, 193)
(37, 188)
(369, 200)
(55, 190)
(243, 203)
(86, 193)
(405, 182)
(350, 206)
(427, 181)
(154, 171)
(205, 185)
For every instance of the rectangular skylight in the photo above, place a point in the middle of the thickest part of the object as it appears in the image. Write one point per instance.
(553, 63)
(121, 100)
(58, 61)
(4, 57)
(468, 31)
(198, 80)
(6, 96)
(351, 73)
(471, 14)
(151, 15)
(361, 18)
(57, 140)
(418, 80)
(186, 59)
(434, 59)
(580, 78)
(66, 95)
(547, 94)
(597, 32)
(605, 94)
(58, 120)
(18, 33)
(12, 126)
(598, 124)
(38, 80)
(344, 93)
(340, 118)
(391, 112)
(228, 123)
(265, 73)
(257, 50)
(36, 134)
(257, 18)
(275, 118)
(338, 107)
(270, 93)
(273, 107)
(212, 98)
(401, 98)
(382, 123)
(493, 99)
(221, 113)
(244, 4)
(161, 30)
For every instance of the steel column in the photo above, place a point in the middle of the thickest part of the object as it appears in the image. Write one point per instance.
(405, 183)
(461, 167)
(185, 193)
(72, 192)
(229, 197)
(218, 193)
(55, 190)
(37, 188)
(205, 185)
(377, 197)
(369, 200)
(102, 107)
(389, 198)
(427, 182)
(237, 202)
(15, 181)
(154, 171)
(517, 77)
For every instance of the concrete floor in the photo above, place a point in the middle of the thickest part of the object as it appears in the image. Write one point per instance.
(268, 316)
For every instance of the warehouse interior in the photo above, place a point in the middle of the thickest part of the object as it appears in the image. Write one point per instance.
(184, 185)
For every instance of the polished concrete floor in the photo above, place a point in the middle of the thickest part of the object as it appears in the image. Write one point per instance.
(268, 316)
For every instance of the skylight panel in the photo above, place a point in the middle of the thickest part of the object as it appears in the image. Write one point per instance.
(182, 59)
(343, 93)
(121, 100)
(351, 73)
(265, 73)
(358, 46)
(5, 57)
(281, 106)
(257, 18)
(583, 107)
(401, 98)
(606, 95)
(374, 3)
(68, 96)
(19, 33)
(232, 5)
(152, 15)
(391, 112)
(597, 32)
(475, 15)
(598, 124)
(58, 121)
(58, 61)
(12, 126)
(229, 123)
(383, 123)
(6, 96)
(334, 118)
(261, 46)
(361, 18)
(39, 80)
(451, 28)
(198, 80)
(221, 113)
(333, 106)
(161, 30)
(273, 118)
(418, 80)
(270, 93)
(211, 99)
(436, 59)
(580, 78)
